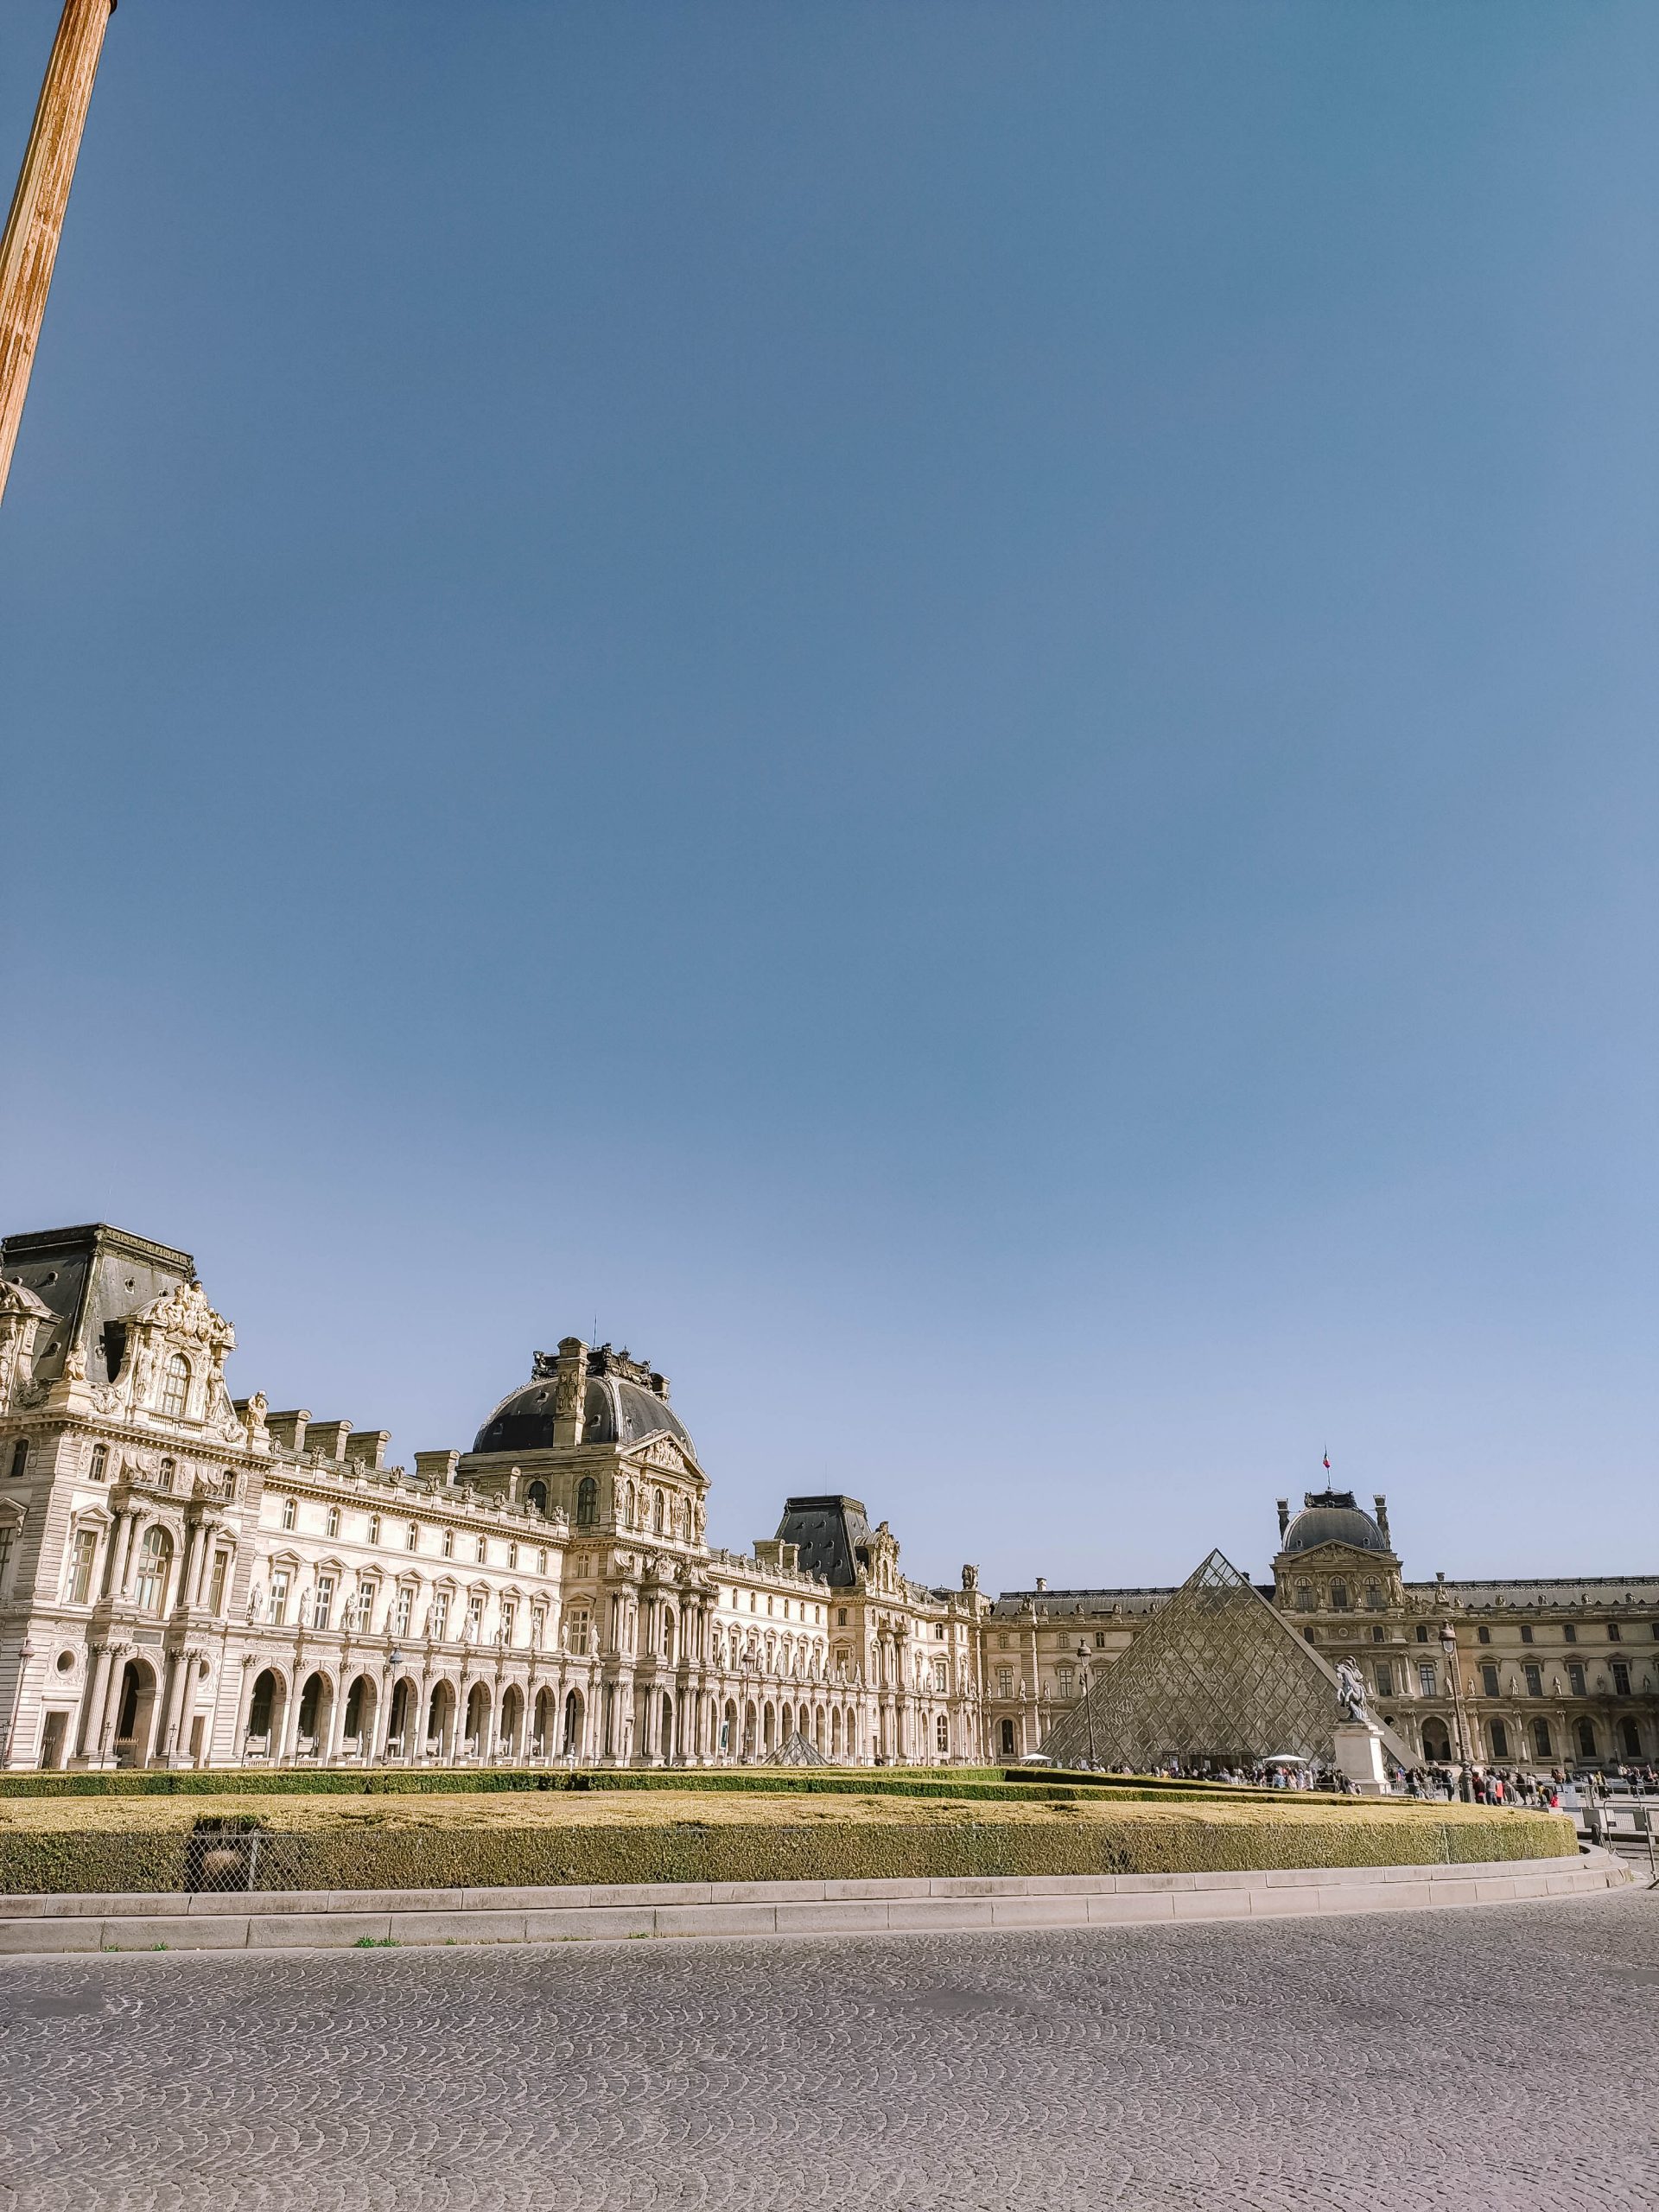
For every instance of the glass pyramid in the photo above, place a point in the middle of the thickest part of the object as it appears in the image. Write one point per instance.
(1216, 1672)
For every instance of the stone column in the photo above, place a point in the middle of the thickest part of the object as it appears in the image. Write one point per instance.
(329, 1749)
(87, 1735)
(283, 1750)
(112, 1712)
(168, 1742)
(36, 224)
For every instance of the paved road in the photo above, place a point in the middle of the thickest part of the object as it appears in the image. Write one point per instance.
(1469, 2060)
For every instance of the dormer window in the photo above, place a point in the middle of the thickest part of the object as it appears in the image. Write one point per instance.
(175, 1386)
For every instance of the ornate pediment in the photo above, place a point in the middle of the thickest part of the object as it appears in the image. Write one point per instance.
(184, 1316)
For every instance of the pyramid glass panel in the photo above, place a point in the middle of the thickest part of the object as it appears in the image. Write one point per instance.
(1215, 1674)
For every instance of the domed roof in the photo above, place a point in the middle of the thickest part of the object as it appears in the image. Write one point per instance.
(615, 1410)
(1330, 1516)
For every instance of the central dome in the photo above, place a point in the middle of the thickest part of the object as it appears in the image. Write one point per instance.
(615, 1410)
(1330, 1516)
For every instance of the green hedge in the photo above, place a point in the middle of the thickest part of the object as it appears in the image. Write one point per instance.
(689, 1851)
(971, 1783)
(974, 1784)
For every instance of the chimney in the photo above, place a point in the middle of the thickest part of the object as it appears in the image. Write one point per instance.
(327, 1436)
(289, 1429)
(569, 1391)
(368, 1448)
(1042, 1582)
(1284, 1518)
(437, 1468)
(1381, 1504)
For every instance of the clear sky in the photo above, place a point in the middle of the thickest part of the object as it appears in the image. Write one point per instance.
(948, 708)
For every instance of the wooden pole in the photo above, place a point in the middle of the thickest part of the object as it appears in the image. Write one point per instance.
(35, 223)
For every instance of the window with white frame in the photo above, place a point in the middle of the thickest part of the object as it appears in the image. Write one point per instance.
(448, 1543)
(99, 1472)
(81, 1569)
(277, 1603)
(367, 1594)
(323, 1605)
(475, 1628)
(412, 1536)
(1066, 1681)
(440, 1623)
(175, 1386)
(374, 1528)
(402, 1612)
(509, 1621)
(290, 1512)
(216, 1585)
(537, 1627)
(331, 1527)
(1426, 1678)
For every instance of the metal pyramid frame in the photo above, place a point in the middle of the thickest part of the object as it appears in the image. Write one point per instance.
(1216, 1673)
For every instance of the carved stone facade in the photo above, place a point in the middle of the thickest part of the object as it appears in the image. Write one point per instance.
(190, 1580)
(1545, 1673)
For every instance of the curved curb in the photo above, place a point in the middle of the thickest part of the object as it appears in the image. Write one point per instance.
(337, 1919)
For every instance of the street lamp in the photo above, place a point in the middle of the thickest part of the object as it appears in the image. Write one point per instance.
(1449, 1647)
(1083, 1677)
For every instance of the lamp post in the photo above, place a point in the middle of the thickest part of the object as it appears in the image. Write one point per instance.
(1089, 1710)
(1449, 1647)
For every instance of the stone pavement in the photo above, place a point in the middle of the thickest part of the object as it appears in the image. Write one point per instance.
(1504, 2057)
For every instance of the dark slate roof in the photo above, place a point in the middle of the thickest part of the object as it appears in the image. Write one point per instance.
(1330, 1516)
(615, 1411)
(1013, 1603)
(831, 1532)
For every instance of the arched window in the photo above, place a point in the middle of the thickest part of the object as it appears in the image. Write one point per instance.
(100, 1466)
(1339, 1597)
(1540, 1744)
(587, 1503)
(290, 1511)
(538, 1496)
(942, 1734)
(332, 1528)
(660, 1516)
(1587, 1739)
(153, 1562)
(175, 1386)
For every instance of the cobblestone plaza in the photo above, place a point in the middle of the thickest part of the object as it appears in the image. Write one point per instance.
(1499, 2058)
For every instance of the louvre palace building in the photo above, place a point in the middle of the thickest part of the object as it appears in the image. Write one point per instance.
(188, 1580)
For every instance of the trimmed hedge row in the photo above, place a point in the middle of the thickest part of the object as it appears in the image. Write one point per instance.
(689, 1851)
(972, 1783)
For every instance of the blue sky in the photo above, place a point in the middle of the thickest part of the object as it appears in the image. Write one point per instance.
(948, 708)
